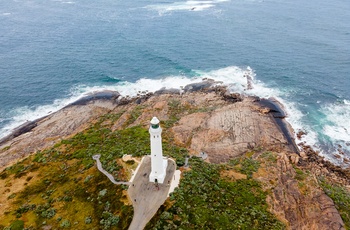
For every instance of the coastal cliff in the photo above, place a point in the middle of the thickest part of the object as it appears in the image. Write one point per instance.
(254, 176)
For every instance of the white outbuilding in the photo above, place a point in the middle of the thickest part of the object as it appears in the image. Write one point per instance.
(158, 163)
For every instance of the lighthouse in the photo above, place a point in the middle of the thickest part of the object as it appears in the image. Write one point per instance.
(158, 163)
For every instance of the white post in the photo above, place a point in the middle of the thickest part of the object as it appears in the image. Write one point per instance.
(158, 164)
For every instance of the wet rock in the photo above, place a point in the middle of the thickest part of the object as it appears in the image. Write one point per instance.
(274, 106)
(167, 91)
(123, 101)
(300, 134)
(26, 127)
(104, 95)
(232, 97)
(204, 85)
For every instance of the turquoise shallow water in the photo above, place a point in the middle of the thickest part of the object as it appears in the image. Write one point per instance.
(53, 52)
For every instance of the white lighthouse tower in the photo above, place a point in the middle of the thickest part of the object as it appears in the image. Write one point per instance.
(158, 163)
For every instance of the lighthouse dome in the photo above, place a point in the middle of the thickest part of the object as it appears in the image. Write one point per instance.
(155, 123)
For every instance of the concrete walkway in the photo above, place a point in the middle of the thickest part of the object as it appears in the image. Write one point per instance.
(110, 177)
(146, 196)
(175, 181)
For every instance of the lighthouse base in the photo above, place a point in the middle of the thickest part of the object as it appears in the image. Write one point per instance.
(158, 177)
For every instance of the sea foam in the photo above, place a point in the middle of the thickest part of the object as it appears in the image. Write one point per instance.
(235, 78)
(337, 123)
(184, 6)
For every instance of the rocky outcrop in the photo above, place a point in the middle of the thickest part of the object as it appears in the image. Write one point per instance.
(50, 129)
(311, 209)
(312, 161)
(229, 131)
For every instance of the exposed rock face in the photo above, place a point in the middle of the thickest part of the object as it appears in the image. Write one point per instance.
(51, 129)
(229, 131)
(312, 209)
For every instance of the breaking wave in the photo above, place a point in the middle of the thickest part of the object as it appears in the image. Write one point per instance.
(337, 124)
(337, 115)
(237, 79)
(184, 6)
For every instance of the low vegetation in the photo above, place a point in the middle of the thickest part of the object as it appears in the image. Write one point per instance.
(67, 191)
(245, 165)
(204, 200)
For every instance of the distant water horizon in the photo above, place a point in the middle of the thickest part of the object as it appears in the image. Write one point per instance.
(54, 52)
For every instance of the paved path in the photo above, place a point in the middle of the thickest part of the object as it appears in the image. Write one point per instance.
(146, 196)
(110, 177)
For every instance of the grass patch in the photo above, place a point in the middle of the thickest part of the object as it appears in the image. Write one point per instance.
(269, 156)
(5, 148)
(299, 174)
(175, 111)
(17, 225)
(245, 165)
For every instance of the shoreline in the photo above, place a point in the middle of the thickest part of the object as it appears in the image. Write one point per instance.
(269, 106)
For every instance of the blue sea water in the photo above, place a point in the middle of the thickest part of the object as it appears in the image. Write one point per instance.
(54, 51)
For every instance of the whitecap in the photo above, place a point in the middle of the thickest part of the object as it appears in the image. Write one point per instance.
(337, 121)
(24, 114)
(235, 78)
(184, 6)
(64, 2)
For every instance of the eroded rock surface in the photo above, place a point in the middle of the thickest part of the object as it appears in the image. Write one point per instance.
(52, 128)
(308, 209)
(229, 131)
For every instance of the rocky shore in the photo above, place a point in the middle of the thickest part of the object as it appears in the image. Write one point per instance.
(206, 118)
(46, 131)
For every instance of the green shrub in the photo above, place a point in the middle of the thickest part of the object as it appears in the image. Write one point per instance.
(249, 166)
(88, 220)
(17, 225)
(108, 220)
(65, 223)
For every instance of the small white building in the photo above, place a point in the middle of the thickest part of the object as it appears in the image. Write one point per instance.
(158, 163)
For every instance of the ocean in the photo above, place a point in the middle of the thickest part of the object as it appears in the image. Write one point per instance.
(53, 52)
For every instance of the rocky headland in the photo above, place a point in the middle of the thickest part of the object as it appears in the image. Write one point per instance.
(246, 139)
